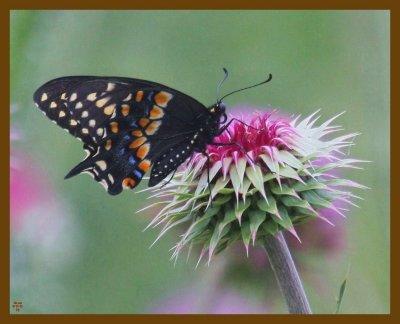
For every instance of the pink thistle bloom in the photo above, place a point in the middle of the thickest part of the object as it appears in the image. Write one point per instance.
(264, 133)
(267, 173)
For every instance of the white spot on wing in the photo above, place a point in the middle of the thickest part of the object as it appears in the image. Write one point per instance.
(73, 97)
(111, 178)
(104, 184)
(110, 86)
(128, 97)
(92, 96)
(102, 164)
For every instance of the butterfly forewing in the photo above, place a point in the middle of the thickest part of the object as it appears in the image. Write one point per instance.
(125, 124)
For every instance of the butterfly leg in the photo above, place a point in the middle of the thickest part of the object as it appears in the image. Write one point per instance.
(225, 127)
(169, 180)
(208, 173)
(236, 144)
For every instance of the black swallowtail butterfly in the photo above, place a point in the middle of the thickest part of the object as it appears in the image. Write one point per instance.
(128, 126)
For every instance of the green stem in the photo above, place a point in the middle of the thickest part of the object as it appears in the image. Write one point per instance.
(286, 274)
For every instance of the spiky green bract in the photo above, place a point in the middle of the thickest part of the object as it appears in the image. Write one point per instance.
(283, 177)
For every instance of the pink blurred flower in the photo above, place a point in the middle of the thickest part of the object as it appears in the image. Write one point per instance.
(226, 301)
(28, 188)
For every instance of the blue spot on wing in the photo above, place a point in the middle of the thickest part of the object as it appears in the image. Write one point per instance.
(132, 160)
(138, 174)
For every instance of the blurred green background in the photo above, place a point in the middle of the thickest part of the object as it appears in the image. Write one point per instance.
(99, 261)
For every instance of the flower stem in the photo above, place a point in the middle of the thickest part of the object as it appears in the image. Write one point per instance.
(286, 274)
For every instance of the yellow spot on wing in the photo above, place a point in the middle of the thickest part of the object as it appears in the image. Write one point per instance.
(73, 122)
(61, 114)
(162, 98)
(64, 96)
(53, 105)
(114, 127)
(43, 97)
(109, 109)
(156, 113)
(153, 127)
(85, 131)
(101, 102)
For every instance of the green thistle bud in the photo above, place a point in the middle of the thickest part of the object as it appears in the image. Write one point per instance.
(277, 173)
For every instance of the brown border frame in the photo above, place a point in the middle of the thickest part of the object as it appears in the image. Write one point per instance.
(7, 5)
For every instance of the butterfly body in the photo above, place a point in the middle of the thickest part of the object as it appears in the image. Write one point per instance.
(128, 126)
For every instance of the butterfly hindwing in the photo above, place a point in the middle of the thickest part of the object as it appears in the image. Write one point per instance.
(125, 124)
(170, 160)
(116, 164)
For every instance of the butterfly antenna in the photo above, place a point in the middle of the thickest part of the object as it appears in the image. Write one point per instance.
(226, 74)
(249, 87)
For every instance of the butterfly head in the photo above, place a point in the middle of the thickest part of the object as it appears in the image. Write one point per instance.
(218, 112)
(218, 109)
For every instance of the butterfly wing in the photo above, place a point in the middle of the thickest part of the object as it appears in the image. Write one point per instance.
(125, 124)
(170, 160)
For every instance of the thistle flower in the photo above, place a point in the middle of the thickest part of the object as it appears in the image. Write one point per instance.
(273, 173)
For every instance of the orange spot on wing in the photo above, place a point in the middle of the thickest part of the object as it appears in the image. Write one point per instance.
(139, 96)
(114, 127)
(125, 110)
(143, 151)
(128, 183)
(144, 165)
(137, 142)
(153, 127)
(137, 133)
(143, 122)
(162, 98)
(156, 113)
